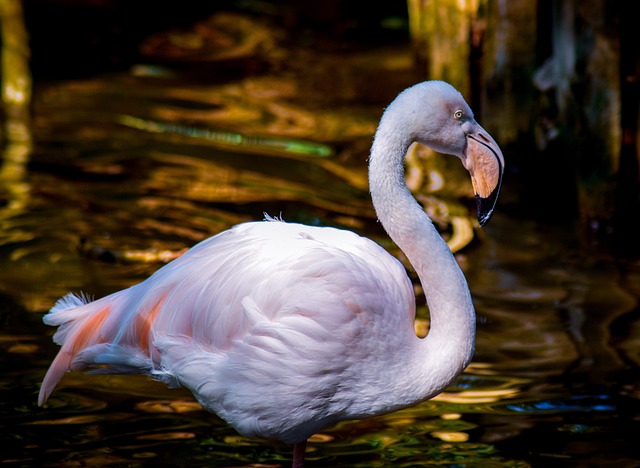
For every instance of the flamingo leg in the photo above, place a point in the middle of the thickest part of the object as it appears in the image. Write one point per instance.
(298, 454)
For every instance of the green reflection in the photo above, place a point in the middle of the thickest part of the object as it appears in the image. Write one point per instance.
(246, 142)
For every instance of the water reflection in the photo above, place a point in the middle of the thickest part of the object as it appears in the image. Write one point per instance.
(128, 170)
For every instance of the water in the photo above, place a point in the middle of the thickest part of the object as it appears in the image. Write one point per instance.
(131, 168)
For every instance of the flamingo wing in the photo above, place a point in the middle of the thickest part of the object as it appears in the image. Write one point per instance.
(273, 309)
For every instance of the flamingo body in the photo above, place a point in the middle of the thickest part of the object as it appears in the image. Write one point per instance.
(301, 312)
(283, 329)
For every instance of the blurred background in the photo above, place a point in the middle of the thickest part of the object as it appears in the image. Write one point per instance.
(132, 130)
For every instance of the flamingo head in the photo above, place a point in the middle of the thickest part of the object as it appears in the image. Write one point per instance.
(441, 119)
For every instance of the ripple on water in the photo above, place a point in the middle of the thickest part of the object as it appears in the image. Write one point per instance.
(570, 403)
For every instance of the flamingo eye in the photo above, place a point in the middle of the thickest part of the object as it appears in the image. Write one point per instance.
(458, 115)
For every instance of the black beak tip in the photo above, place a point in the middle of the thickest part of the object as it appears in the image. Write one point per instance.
(485, 206)
(484, 218)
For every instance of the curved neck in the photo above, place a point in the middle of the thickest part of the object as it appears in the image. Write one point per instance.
(449, 345)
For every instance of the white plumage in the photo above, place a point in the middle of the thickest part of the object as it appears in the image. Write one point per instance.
(283, 329)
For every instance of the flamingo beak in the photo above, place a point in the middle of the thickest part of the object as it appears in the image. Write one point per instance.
(485, 163)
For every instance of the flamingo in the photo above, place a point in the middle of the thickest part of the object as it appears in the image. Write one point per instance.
(284, 329)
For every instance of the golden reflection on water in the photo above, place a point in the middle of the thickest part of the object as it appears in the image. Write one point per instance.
(167, 436)
(169, 406)
(222, 36)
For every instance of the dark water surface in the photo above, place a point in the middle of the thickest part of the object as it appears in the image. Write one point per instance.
(129, 169)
